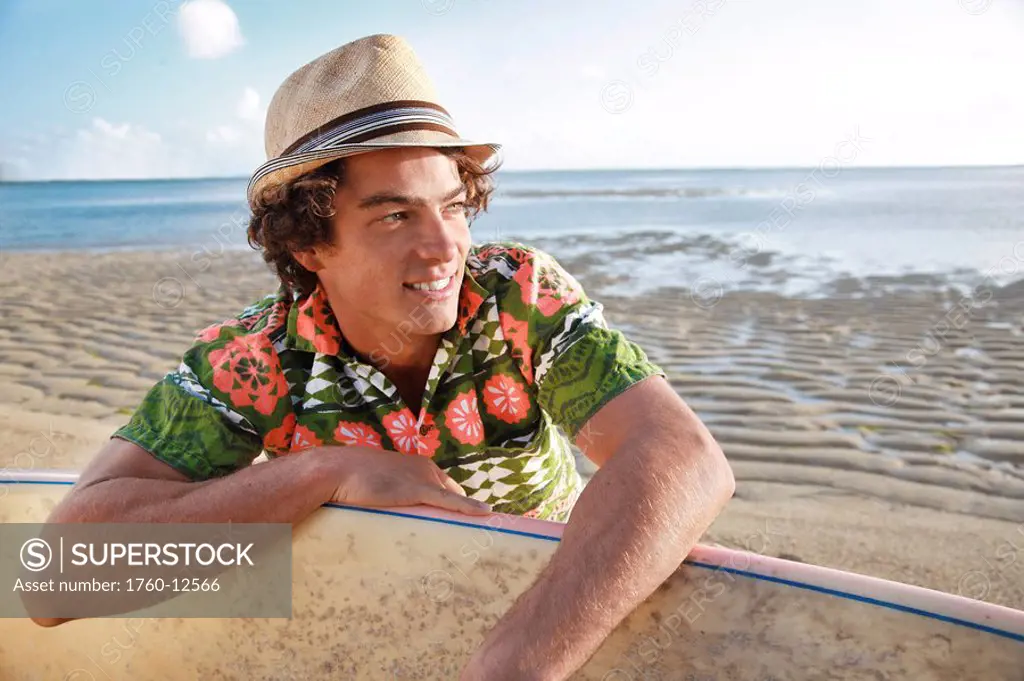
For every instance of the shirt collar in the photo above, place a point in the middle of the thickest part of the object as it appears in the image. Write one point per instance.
(312, 326)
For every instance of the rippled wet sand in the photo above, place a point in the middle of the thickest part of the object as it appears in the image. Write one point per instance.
(870, 426)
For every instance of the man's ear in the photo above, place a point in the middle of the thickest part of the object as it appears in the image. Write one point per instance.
(309, 259)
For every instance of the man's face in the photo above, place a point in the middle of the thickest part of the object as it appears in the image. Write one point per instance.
(399, 221)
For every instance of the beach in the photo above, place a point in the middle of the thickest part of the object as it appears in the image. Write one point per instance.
(877, 426)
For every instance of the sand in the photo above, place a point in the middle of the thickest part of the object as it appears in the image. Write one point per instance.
(863, 435)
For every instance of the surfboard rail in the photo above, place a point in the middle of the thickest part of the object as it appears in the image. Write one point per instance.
(922, 601)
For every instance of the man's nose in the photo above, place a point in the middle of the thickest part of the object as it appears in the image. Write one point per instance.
(437, 238)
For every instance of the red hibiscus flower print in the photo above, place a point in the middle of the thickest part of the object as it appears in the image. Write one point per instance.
(527, 284)
(317, 324)
(548, 303)
(516, 331)
(463, 418)
(249, 372)
(520, 255)
(403, 431)
(469, 303)
(212, 332)
(557, 288)
(505, 399)
(547, 287)
(277, 441)
(277, 316)
(358, 434)
(304, 438)
(401, 427)
(485, 253)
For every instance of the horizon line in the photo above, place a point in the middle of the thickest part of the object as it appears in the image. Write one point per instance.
(199, 178)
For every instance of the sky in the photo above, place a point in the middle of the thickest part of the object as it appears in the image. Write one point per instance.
(173, 88)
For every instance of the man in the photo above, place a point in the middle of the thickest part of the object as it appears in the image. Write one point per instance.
(399, 364)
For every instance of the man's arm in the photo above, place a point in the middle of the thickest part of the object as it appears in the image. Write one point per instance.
(125, 484)
(663, 480)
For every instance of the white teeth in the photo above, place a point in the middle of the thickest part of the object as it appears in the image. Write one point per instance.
(432, 286)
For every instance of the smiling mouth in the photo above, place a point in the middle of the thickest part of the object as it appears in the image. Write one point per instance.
(436, 285)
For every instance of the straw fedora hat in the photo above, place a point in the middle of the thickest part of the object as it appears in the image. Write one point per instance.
(370, 94)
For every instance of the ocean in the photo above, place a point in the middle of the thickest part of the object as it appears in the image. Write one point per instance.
(735, 226)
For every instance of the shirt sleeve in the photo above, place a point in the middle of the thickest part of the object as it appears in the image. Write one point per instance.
(579, 363)
(226, 402)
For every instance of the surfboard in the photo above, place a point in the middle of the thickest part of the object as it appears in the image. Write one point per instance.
(408, 593)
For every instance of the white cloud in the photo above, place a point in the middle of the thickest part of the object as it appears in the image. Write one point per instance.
(242, 136)
(106, 150)
(223, 134)
(14, 167)
(247, 131)
(102, 130)
(249, 109)
(210, 29)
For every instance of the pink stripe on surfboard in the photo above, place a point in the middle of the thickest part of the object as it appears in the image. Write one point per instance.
(907, 595)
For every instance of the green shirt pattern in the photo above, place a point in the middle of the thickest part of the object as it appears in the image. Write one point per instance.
(528, 352)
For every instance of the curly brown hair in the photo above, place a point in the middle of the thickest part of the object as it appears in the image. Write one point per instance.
(297, 216)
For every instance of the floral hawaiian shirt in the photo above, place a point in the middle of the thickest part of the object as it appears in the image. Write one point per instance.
(529, 352)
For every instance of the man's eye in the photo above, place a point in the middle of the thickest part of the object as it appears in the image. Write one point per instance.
(395, 217)
(459, 206)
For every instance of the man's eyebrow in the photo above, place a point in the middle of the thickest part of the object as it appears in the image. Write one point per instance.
(381, 198)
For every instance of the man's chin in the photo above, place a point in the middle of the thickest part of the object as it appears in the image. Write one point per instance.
(444, 322)
(438, 320)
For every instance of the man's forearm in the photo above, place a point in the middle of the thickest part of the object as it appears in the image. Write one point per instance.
(283, 490)
(635, 522)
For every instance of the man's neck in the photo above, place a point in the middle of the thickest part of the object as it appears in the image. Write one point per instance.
(407, 368)
(411, 357)
(405, 359)
(411, 384)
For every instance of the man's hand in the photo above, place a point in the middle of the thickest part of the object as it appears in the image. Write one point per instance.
(374, 477)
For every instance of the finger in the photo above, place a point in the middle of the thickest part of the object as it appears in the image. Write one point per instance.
(442, 498)
(452, 486)
(444, 480)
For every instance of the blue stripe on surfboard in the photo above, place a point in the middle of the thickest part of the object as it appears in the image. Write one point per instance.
(862, 599)
(532, 535)
(35, 482)
(707, 566)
